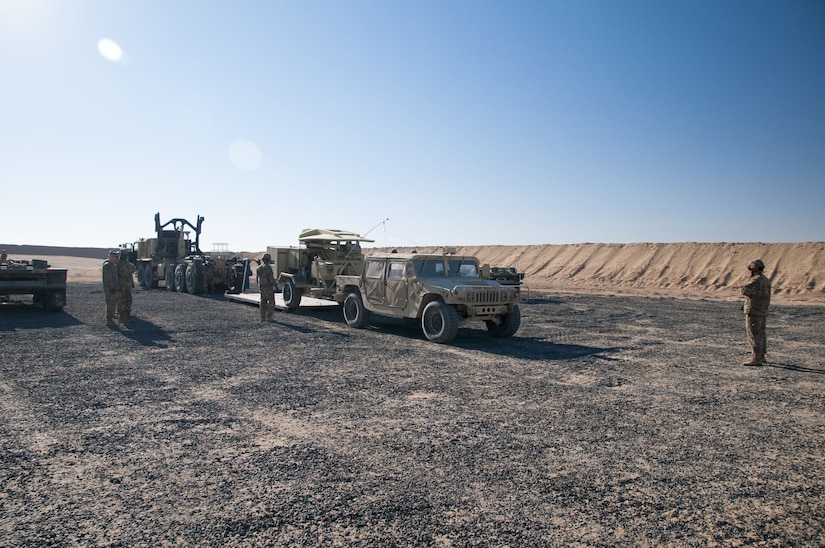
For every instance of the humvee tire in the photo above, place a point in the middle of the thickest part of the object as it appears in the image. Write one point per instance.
(439, 322)
(354, 312)
(508, 327)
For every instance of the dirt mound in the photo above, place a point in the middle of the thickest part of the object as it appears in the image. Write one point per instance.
(797, 270)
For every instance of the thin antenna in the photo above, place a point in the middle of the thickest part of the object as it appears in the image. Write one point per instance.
(376, 226)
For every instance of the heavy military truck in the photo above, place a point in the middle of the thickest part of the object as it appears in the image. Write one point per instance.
(440, 291)
(313, 267)
(34, 277)
(174, 259)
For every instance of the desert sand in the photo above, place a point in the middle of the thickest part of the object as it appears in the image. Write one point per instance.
(681, 270)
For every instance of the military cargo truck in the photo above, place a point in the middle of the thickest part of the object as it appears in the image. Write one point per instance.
(440, 291)
(312, 268)
(174, 259)
(34, 277)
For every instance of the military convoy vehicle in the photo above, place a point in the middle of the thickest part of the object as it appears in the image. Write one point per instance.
(313, 267)
(438, 290)
(506, 275)
(34, 277)
(176, 260)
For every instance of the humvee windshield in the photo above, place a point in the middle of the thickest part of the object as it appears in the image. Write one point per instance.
(463, 268)
(433, 267)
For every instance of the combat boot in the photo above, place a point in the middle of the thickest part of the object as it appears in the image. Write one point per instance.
(755, 360)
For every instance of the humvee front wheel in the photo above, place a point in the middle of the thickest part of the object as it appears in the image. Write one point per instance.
(291, 295)
(439, 322)
(507, 324)
(354, 312)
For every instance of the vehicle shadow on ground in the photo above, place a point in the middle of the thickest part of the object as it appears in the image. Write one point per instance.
(530, 348)
(28, 316)
(144, 332)
(478, 340)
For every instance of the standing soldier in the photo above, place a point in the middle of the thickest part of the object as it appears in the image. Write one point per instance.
(125, 274)
(209, 276)
(757, 299)
(266, 285)
(111, 285)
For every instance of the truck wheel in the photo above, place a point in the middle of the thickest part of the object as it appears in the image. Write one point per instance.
(194, 278)
(149, 280)
(169, 277)
(354, 312)
(508, 325)
(439, 322)
(291, 295)
(54, 301)
(139, 272)
(180, 278)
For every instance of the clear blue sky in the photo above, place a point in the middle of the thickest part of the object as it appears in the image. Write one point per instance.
(462, 122)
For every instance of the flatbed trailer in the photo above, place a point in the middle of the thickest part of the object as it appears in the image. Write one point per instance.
(254, 298)
(34, 277)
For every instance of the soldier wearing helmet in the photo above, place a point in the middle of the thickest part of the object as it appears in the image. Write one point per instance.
(757, 300)
(111, 285)
(209, 276)
(266, 285)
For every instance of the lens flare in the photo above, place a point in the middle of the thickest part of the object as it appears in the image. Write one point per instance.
(110, 50)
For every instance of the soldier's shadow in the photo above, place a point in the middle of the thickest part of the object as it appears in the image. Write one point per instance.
(792, 367)
(145, 332)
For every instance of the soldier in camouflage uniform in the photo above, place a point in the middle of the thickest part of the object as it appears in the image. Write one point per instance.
(209, 276)
(126, 271)
(111, 285)
(266, 285)
(757, 299)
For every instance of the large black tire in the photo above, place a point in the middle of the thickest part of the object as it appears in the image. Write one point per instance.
(149, 280)
(291, 295)
(439, 322)
(169, 277)
(180, 278)
(508, 325)
(54, 301)
(139, 272)
(194, 277)
(354, 312)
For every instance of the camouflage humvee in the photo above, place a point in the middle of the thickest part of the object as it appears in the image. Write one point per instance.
(439, 290)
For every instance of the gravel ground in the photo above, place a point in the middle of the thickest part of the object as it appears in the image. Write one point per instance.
(604, 421)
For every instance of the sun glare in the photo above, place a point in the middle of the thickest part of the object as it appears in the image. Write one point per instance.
(110, 50)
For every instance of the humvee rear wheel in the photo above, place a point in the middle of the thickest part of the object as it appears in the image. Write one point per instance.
(439, 322)
(180, 278)
(291, 295)
(169, 277)
(354, 312)
(507, 324)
